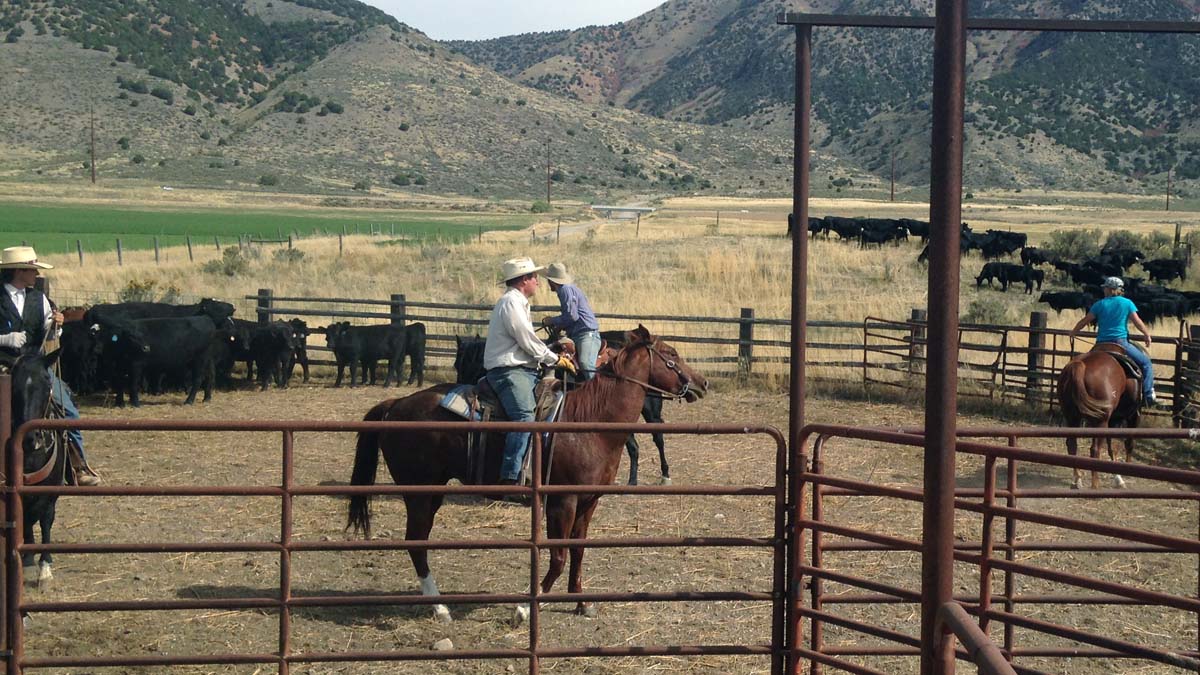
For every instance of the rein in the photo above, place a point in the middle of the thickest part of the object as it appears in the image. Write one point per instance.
(646, 385)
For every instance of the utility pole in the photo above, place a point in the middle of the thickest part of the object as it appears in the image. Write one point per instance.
(893, 175)
(1168, 188)
(547, 171)
(92, 115)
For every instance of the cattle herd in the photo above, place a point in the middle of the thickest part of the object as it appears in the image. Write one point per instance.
(1154, 301)
(130, 347)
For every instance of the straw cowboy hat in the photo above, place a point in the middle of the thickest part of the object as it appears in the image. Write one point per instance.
(557, 272)
(517, 267)
(21, 258)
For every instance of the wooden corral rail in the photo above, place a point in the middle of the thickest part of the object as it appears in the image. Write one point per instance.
(1015, 364)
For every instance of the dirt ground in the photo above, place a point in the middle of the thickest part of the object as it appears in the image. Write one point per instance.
(141, 458)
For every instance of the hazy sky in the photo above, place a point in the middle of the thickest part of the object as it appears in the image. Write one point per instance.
(481, 19)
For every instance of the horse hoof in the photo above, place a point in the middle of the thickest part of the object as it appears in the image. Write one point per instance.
(31, 574)
(1118, 482)
(442, 614)
(587, 611)
(1077, 485)
(666, 480)
(520, 615)
(44, 574)
(25, 621)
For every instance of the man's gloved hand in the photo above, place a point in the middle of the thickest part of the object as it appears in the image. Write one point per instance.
(548, 321)
(14, 340)
(566, 364)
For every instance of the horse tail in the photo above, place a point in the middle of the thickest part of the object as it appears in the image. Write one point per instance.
(1073, 391)
(366, 463)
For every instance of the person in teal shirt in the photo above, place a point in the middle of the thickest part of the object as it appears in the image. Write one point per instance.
(1111, 315)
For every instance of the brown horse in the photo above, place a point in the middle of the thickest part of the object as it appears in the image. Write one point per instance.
(1094, 391)
(645, 363)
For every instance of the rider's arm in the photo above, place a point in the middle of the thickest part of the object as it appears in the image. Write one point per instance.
(1090, 318)
(1141, 325)
(522, 333)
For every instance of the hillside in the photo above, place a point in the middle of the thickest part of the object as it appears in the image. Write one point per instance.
(1090, 110)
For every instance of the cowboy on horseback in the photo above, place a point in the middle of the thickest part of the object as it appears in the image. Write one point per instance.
(1111, 314)
(511, 356)
(27, 318)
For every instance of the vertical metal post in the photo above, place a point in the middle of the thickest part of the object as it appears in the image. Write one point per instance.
(535, 539)
(799, 317)
(1168, 188)
(120, 254)
(941, 384)
(558, 231)
(191, 258)
(9, 534)
(264, 305)
(79, 248)
(746, 342)
(893, 198)
(398, 310)
(285, 555)
(1037, 343)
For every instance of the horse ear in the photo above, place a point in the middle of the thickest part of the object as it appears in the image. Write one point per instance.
(640, 334)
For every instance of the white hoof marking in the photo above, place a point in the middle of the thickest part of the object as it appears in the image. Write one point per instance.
(1118, 482)
(1077, 485)
(442, 614)
(520, 614)
(666, 480)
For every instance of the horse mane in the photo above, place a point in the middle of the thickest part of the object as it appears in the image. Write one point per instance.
(588, 401)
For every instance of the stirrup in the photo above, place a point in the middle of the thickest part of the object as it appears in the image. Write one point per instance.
(83, 473)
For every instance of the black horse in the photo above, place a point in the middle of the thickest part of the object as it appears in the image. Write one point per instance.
(45, 451)
(468, 364)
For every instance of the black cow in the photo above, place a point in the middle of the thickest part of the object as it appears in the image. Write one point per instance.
(132, 348)
(846, 228)
(1034, 256)
(1165, 269)
(1060, 300)
(414, 349)
(273, 348)
(1010, 273)
(916, 228)
(80, 357)
(300, 335)
(218, 312)
(364, 346)
(1081, 274)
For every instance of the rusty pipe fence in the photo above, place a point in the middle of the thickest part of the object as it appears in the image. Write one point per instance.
(835, 550)
(15, 605)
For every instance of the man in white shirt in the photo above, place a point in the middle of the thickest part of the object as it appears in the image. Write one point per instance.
(512, 355)
(27, 319)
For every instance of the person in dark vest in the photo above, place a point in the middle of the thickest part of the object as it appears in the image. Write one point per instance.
(27, 320)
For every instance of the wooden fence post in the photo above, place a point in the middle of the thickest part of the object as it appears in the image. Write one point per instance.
(79, 247)
(289, 241)
(746, 342)
(191, 258)
(264, 305)
(156, 250)
(558, 231)
(398, 309)
(120, 256)
(637, 232)
(217, 243)
(340, 245)
(1037, 343)
(481, 234)
(916, 341)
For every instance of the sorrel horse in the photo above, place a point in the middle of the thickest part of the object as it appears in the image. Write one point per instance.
(1094, 391)
(45, 451)
(434, 457)
(468, 365)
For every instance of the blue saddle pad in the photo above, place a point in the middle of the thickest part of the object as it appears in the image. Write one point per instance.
(456, 401)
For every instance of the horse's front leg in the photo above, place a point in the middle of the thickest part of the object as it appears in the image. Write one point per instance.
(560, 514)
(575, 576)
(45, 573)
(665, 471)
(631, 448)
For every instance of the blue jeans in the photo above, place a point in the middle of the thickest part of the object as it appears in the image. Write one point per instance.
(62, 396)
(587, 348)
(515, 387)
(1143, 362)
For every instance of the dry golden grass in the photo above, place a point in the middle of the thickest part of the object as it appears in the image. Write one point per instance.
(678, 261)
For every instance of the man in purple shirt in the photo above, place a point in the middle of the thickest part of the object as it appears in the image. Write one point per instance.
(577, 319)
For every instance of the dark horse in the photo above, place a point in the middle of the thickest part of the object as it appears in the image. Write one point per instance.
(433, 458)
(1094, 391)
(45, 451)
(468, 365)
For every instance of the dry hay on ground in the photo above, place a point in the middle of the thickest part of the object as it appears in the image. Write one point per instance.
(212, 459)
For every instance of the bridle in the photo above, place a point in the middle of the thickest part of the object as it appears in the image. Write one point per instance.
(684, 381)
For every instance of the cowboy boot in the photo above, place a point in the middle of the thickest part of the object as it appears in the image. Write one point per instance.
(84, 474)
